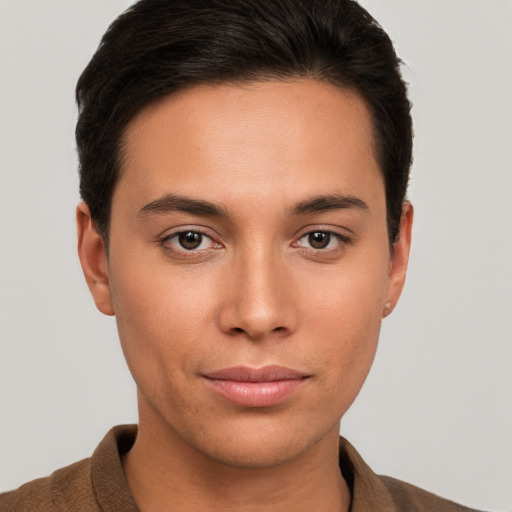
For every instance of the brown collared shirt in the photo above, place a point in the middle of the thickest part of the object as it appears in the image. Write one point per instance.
(98, 484)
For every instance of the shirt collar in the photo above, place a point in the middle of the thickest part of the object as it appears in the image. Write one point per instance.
(367, 489)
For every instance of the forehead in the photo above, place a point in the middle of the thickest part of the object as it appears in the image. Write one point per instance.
(251, 140)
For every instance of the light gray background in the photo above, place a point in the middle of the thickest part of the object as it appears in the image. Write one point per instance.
(436, 409)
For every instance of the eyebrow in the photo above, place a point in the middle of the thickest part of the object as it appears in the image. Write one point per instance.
(173, 202)
(329, 202)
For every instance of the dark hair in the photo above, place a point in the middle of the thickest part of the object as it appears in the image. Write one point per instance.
(158, 47)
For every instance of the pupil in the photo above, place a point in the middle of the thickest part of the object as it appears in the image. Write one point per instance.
(190, 240)
(319, 239)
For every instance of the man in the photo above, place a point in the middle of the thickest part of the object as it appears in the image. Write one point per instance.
(243, 169)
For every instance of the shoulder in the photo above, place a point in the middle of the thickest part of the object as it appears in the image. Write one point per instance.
(35, 495)
(93, 484)
(374, 492)
(65, 488)
(410, 498)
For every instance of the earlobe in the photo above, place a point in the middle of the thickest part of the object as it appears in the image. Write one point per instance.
(399, 260)
(93, 258)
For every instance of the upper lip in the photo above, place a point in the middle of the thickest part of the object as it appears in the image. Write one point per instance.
(269, 373)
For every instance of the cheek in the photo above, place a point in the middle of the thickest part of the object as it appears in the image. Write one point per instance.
(161, 316)
(345, 323)
(349, 299)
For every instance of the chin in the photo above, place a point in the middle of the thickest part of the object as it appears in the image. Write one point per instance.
(259, 445)
(251, 455)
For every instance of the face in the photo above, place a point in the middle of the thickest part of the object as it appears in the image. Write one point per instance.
(249, 265)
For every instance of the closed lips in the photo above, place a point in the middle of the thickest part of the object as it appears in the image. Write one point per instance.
(265, 374)
(263, 387)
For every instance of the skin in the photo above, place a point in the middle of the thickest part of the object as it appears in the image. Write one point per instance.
(255, 292)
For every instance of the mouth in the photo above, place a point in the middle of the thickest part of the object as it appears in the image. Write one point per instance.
(256, 387)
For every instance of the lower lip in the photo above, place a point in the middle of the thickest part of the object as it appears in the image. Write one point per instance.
(255, 394)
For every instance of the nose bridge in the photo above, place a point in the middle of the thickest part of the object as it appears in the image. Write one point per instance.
(256, 293)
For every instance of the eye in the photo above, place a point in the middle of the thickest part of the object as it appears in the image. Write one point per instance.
(321, 240)
(188, 241)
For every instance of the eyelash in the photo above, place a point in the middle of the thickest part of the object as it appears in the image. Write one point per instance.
(341, 242)
(188, 252)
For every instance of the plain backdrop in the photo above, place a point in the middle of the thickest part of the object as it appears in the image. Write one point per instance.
(436, 409)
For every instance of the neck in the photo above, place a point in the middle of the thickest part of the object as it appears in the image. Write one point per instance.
(165, 472)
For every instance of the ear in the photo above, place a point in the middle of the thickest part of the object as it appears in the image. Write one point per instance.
(93, 258)
(399, 260)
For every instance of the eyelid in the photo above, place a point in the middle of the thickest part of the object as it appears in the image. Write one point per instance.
(343, 240)
(175, 232)
(342, 232)
(197, 228)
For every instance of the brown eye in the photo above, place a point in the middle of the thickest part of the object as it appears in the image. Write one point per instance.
(319, 239)
(190, 240)
(322, 242)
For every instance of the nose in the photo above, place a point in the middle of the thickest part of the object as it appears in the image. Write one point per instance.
(258, 297)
